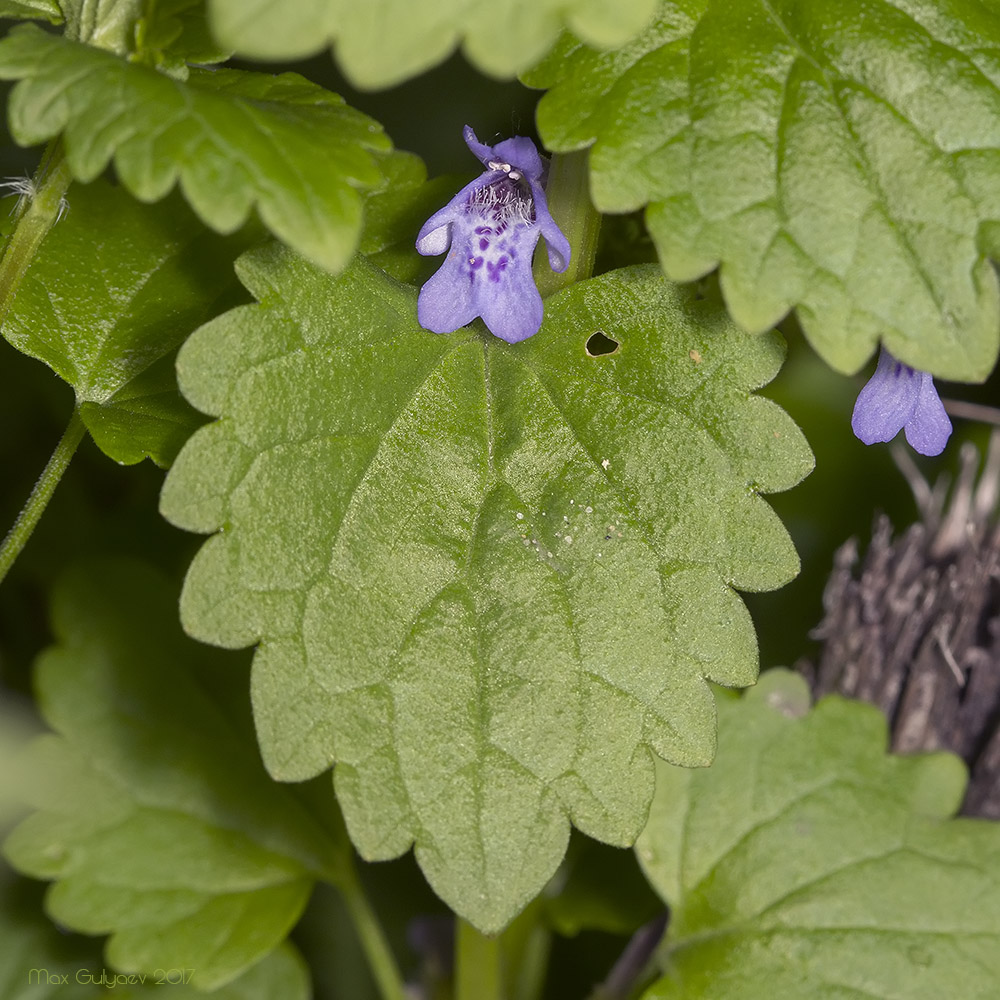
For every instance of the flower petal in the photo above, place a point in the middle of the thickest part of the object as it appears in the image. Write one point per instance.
(555, 240)
(520, 152)
(435, 234)
(508, 300)
(481, 151)
(445, 303)
(929, 428)
(887, 402)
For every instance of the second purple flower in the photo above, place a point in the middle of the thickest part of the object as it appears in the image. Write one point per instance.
(898, 397)
(490, 229)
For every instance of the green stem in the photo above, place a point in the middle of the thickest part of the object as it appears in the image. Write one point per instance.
(568, 195)
(373, 941)
(50, 183)
(534, 964)
(18, 536)
(478, 965)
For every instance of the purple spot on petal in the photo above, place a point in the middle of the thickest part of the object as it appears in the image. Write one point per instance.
(484, 244)
(481, 230)
(495, 270)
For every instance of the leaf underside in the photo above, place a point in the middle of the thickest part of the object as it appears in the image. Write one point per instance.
(234, 141)
(840, 159)
(155, 818)
(808, 863)
(379, 45)
(444, 544)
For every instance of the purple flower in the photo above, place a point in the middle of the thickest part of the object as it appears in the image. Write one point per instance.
(898, 396)
(490, 229)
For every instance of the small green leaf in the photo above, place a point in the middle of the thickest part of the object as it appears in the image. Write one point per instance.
(105, 24)
(147, 418)
(174, 33)
(115, 288)
(379, 45)
(233, 140)
(444, 545)
(840, 159)
(40, 10)
(806, 862)
(155, 817)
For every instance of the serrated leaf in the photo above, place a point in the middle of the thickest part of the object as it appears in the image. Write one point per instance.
(379, 45)
(842, 159)
(446, 543)
(115, 288)
(176, 32)
(105, 24)
(235, 141)
(807, 863)
(41, 10)
(155, 819)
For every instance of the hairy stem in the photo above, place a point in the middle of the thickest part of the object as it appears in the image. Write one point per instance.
(478, 965)
(50, 183)
(381, 961)
(568, 195)
(18, 535)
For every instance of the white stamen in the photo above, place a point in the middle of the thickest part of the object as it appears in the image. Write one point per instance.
(507, 202)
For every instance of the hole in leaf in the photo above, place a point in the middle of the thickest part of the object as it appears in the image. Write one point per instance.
(599, 343)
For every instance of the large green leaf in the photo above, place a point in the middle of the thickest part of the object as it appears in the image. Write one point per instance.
(115, 288)
(488, 580)
(808, 864)
(842, 159)
(382, 44)
(155, 816)
(233, 140)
